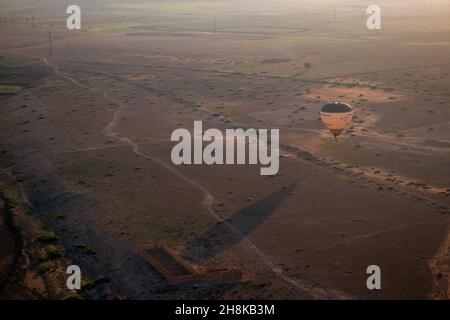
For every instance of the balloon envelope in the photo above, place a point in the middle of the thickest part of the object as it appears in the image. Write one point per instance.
(336, 117)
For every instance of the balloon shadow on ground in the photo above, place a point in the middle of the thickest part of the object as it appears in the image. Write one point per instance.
(225, 234)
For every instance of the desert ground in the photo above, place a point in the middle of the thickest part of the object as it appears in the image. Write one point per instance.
(86, 174)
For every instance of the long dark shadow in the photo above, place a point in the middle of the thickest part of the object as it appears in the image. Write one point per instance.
(220, 237)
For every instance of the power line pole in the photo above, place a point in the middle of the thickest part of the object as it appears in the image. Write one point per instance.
(50, 44)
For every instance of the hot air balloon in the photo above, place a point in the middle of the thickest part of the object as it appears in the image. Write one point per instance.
(336, 117)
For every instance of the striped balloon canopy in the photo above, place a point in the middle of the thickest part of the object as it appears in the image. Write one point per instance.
(336, 116)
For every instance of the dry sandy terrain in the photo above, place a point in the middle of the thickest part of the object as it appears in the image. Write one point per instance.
(88, 139)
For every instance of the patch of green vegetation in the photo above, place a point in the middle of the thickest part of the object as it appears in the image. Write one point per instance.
(9, 89)
(94, 283)
(55, 254)
(47, 269)
(47, 238)
(86, 249)
(166, 5)
(91, 251)
(112, 26)
(304, 154)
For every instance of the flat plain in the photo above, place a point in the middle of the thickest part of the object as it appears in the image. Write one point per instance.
(86, 119)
